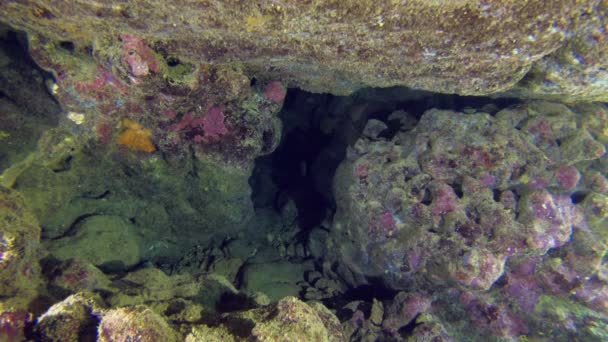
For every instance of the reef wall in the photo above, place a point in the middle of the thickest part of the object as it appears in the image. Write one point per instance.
(482, 222)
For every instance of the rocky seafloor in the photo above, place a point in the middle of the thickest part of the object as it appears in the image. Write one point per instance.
(303, 171)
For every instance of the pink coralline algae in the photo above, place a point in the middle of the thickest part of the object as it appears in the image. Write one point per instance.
(445, 200)
(137, 66)
(479, 269)
(488, 180)
(595, 293)
(496, 318)
(170, 113)
(387, 221)
(361, 171)
(207, 128)
(102, 84)
(508, 209)
(184, 123)
(213, 123)
(522, 285)
(404, 308)
(567, 176)
(275, 91)
(552, 218)
(138, 56)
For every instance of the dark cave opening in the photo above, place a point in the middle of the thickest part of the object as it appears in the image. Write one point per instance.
(318, 132)
(318, 129)
(24, 71)
(26, 103)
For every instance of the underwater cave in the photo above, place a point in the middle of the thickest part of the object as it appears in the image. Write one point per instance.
(146, 193)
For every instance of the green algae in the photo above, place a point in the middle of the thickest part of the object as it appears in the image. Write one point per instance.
(587, 323)
(180, 74)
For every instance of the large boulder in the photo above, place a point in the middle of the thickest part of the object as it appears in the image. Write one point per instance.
(156, 207)
(451, 201)
(105, 241)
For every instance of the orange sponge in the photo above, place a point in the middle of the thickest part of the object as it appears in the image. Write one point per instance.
(136, 137)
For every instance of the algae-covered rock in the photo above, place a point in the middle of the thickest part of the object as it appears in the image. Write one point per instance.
(202, 333)
(275, 279)
(477, 217)
(134, 323)
(288, 320)
(159, 206)
(105, 241)
(20, 278)
(73, 275)
(19, 250)
(465, 47)
(294, 321)
(73, 319)
(457, 196)
(152, 285)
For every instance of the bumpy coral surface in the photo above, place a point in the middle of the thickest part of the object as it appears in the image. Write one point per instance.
(464, 200)
(72, 319)
(134, 323)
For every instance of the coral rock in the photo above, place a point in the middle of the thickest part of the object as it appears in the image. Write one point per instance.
(134, 323)
(275, 92)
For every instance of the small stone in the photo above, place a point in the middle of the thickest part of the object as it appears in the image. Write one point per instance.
(291, 250)
(353, 306)
(229, 268)
(406, 120)
(324, 284)
(313, 294)
(377, 312)
(300, 251)
(312, 277)
(373, 128)
(260, 299)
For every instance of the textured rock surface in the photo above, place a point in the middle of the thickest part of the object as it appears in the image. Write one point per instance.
(277, 280)
(26, 106)
(67, 185)
(72, 319)
(453, 199)
(19, 250)
(147, 305)
(289, 320)
(105, 241)
(134, 323)
(465, 46)
(461, 211)
(20, 279)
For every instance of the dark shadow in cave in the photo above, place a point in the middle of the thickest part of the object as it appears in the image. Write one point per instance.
(318, 128)
(23, 77)
(27, 107)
